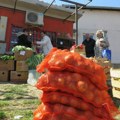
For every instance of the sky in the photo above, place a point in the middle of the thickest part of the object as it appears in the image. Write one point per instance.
(108, 3)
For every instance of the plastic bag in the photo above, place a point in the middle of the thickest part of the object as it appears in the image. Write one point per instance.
(106, 53)
(33, 77)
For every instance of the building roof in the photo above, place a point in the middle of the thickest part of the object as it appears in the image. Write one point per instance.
(103, 8)
(94, 7)
(54, 11)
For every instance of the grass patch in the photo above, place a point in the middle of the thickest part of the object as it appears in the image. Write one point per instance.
(35, 102)
(21, 89)
(2, 115)
(9, 115)
(4, 103)
(8, 96)
(15, 92)
(17, 99)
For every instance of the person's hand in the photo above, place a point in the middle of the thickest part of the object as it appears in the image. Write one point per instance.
(34, 43)
(101, 44)
(38, 46)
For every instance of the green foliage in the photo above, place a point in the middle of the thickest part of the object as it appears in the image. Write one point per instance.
(34, 60)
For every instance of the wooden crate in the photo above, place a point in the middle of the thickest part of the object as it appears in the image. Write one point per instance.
(81, 51)
(115, 82)
(107, 70)
(18, 76)
(7, 64)
(116, 92)
(21, 66)
(4, 76)
(103, 62)
(108, 76)
(23, 55)
(115, 73)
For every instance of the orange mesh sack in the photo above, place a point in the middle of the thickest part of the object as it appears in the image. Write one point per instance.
(53, 116)
(66, 99)
(73, 83)
(64, 60)
(73, 87)
(70, 100)
(63, 113)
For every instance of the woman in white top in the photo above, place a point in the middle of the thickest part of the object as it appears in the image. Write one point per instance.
(45, 43)
(101, 43)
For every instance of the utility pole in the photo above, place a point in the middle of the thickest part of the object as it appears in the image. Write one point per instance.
(78, 6)
(76, 21)
(15, 5)
(49, 6)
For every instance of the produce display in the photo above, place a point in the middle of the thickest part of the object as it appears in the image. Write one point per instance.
(74, 87)
(106, 64)
(115, 82)
(20, 48)
(7, 57)
(34, 60)
(22, 52)
(78, 48)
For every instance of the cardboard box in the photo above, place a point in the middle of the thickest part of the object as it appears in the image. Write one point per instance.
(79, 50)
(23, 55)
(18, 76)
(116, 92)
(115, 73)
(107, 70)
(21, 66)
(108, 76)
(103, 62)
(115, 82)
(7, 64)
(4, 76)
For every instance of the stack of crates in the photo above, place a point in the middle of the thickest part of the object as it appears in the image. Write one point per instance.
(80, 50)
(106, 64)
(115, 82)
(5, 67)
(20, 74)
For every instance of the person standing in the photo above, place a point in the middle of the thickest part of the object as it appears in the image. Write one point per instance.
(101, 43)
(45, 43)
(89, 44)
(23, 40)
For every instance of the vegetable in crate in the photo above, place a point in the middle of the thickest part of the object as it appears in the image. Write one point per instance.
(20, 48)
(34, 60)
(7, 57)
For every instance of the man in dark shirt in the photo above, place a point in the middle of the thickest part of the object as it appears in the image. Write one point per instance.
(89, 46)
(23, 40)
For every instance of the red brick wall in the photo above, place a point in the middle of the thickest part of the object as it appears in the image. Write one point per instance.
(17, 18)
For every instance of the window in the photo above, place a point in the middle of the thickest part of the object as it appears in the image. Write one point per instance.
(14, 38)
